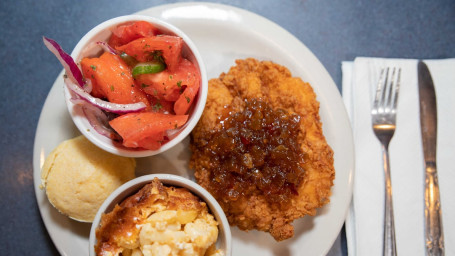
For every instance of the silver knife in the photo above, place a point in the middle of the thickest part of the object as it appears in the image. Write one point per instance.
(434, 237)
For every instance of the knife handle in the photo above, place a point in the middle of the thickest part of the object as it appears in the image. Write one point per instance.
(433, 219)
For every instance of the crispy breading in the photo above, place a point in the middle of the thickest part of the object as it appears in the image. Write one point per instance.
(274, 84)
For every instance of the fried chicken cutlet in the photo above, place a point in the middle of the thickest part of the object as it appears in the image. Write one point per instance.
(259, 148)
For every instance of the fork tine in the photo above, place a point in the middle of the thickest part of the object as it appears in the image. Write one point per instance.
(391, 87)
(380, 89)
(396, 90)
(383, 103)
(388, 90)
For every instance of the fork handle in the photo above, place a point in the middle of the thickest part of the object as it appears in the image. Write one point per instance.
(389, 226)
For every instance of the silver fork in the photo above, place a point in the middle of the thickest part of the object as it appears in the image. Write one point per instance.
(384, 118)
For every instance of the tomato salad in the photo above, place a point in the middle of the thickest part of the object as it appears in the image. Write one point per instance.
(139, 90)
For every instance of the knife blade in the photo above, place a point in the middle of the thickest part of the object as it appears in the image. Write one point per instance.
(434, 238)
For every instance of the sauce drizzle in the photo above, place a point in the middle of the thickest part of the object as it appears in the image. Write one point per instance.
(256, 151)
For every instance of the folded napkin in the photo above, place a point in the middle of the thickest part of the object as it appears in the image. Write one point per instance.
(364, 223)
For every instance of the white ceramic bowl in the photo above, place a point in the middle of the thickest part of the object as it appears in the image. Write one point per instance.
(85, 48)
(132, 186)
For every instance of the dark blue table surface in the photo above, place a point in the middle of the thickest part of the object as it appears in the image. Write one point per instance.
(333, 30)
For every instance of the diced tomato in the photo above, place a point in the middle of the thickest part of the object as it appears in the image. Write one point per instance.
(169, 85)
(111, 78)
(152, 142)
(149, 48)
(183, 104)
(160, 106)
(126, 33)
(88, 66)
(145, 129)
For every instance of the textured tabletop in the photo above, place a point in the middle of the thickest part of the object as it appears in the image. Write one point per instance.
(333, 30)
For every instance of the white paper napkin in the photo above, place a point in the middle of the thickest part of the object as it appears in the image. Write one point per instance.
(364, 223)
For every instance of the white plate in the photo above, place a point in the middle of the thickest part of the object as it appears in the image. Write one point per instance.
(222, 34)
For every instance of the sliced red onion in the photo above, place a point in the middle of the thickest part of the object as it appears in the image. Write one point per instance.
(104, 105)
(99, 121)
(97, 118)
(106, 47)
(88, 86)
(72, 70)
(78, 101)
(170, 134)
